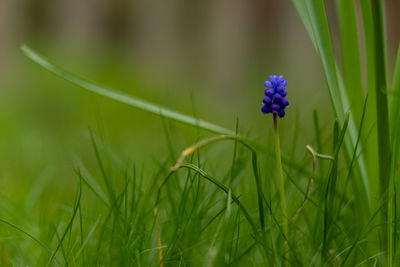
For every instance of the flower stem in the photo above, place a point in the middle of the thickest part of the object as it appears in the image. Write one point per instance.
(281, 181)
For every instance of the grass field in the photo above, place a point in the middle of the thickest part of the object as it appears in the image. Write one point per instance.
(157, 181)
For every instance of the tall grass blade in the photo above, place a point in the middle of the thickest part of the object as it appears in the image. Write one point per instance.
(351, 56)
(370, 145)
(321, 33)
(69, 226)
(395, 104)
(106, 178)
(340, 100)
(330, 191)
(384, 148)
(301, 8)
(395, 134)
(382, 111)
(354, 157)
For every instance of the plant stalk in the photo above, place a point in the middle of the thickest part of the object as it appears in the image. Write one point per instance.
(281, 181)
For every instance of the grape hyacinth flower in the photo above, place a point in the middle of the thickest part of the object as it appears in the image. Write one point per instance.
(275, 100)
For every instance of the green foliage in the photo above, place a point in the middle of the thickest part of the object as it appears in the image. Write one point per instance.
(198, 208)
(349, 95)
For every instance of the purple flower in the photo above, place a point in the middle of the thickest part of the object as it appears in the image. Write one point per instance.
(275, 100)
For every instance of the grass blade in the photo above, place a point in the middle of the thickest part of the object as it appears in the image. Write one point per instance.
(370, 146)
(259, 188)
(395, 104)
(122, 97)
(305, 17)
(354, 157)
(91, 183)
(395, 131)
(27, 234)
(88, 237)
(351, 56)
(384, 148)
(319, 22)
(69, 226)
(329, 204)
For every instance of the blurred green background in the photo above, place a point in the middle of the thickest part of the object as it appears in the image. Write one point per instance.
(208, 58)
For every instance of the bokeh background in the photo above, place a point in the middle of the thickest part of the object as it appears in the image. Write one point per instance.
(208, 58)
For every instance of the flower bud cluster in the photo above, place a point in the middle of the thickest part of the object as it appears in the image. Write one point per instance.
(275, 100)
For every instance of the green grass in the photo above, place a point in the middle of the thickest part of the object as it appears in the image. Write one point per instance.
(218, 203)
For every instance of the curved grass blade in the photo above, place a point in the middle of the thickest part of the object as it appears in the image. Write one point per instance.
(223, 188)
(122, 97)
(213, 139)
(26, 233)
